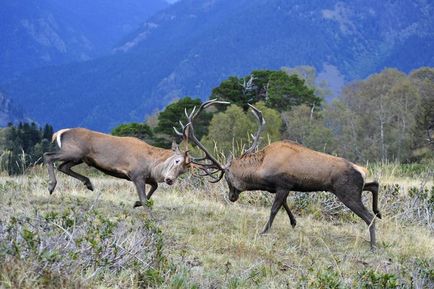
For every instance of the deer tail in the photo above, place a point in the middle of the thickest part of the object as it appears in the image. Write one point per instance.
(57, 136)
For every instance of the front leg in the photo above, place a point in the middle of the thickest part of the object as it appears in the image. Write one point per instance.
(279, 200)
(140, 188)
(290, 215)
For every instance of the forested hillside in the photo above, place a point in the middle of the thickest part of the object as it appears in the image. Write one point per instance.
(36, 33)
(190, 47)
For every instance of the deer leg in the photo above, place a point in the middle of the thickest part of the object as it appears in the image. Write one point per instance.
(49, 159)
(65, 168)
(279, 199)
(373, 188)
(140, 187)
(154, 186)
(355, 204)
(290, 215)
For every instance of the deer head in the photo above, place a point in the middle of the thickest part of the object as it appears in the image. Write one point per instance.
(211, 167)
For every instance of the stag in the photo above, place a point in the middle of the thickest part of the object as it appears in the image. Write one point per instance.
(285, 166)
(122, 157)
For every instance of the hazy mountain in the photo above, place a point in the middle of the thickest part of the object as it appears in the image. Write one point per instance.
(8, 111)
(192, 45)
(36, 33)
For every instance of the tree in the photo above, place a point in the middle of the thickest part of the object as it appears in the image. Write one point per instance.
(273, 123)
(174, 113)
(138, 130)
(230, 130)
(306, 126)
(309, 75)
(277, 89)
(231, 90)
(382, 116)
(23, 146)
(285, 92)
(423, 80)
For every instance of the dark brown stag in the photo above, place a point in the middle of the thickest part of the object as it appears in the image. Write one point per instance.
(285, 166)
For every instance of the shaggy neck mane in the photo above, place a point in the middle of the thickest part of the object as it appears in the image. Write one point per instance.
(252, 160)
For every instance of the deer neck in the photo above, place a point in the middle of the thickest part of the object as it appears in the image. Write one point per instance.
(245, 172)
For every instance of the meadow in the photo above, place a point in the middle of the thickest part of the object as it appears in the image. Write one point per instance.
(192, 236)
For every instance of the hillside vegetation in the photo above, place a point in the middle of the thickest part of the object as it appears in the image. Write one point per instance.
(190, 47)
(193, 237)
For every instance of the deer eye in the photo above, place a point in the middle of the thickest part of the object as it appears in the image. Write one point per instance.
(177, 161)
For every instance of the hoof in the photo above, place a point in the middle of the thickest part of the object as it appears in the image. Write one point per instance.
(378, 214)
(89, 186)
(293, 224)
(51, 187)
(137, 204)
(264, 232)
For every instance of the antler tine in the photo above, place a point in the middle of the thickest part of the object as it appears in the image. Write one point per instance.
(211, 174)
(177, 132)
(214, 163)
(184, 129)
(204, 105)
(258, 114)
(202, 147)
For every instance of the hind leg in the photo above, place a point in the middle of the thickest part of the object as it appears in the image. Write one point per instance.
(373, 188)
(49, 159)
(353, 200)
(65, 168)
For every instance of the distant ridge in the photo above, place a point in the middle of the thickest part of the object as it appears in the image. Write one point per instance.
(191, 46)
(9, 113)
(36, 33)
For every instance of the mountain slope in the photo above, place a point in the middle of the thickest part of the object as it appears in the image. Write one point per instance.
(36, 33)
(191, 46)
(8, 111)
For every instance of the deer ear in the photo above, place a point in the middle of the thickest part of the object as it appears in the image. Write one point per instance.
(175, 146)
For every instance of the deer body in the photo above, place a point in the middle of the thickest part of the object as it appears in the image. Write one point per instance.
(285, 166)
(122, 157)
(288, 165)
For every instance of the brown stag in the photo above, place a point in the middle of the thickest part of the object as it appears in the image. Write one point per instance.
(285, 166)
(122, 157)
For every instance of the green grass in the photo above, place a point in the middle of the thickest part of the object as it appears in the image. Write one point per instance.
(193, 237)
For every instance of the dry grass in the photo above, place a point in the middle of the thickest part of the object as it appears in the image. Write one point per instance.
(208, 242)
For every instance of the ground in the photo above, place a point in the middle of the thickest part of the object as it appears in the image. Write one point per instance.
(192, 236)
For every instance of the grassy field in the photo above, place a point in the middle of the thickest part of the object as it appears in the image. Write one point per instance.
(191, 236)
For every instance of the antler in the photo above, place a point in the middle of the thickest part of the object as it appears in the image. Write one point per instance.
(211, 166)
(261, 120)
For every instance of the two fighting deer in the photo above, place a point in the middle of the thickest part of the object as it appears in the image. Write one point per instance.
(278, 168)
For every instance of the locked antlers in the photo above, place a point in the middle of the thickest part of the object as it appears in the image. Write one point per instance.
(208, 164)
